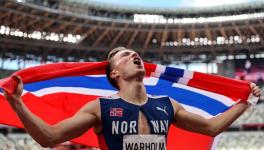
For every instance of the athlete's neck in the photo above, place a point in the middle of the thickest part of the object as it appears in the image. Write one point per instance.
(134, 92)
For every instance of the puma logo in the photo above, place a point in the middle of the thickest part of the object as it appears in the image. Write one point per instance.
(163, 110)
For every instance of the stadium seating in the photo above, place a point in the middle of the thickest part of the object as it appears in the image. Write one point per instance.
(22, 141)
(252, 140)
(18, 142)
(251, 116)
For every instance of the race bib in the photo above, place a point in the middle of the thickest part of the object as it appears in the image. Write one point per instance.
(144, 142)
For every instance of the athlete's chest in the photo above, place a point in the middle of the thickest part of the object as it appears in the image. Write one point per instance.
(122, 118)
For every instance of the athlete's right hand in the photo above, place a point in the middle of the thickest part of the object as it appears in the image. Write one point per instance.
(17, 93)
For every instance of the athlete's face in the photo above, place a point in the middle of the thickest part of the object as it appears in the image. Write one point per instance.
(128, 64)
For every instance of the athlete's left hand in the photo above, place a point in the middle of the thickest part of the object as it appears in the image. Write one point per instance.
(255, 90)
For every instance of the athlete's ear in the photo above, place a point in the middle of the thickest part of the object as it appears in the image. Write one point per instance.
(114, 73)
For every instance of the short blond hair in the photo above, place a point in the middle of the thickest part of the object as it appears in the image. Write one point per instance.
(112, 52)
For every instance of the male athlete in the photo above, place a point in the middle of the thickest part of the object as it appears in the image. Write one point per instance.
(129, 119)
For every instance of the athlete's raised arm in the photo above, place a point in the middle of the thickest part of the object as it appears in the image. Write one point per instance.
(49, 135)
(213, 126)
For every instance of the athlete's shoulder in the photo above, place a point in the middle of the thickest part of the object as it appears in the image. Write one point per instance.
(93, 105)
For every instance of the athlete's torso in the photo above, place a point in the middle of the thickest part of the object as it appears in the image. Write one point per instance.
(120, 118)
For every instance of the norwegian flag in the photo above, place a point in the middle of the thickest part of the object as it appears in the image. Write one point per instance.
(116, 112)
(57, 91)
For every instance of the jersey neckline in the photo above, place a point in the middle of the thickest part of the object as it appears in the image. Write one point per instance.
(128, 102)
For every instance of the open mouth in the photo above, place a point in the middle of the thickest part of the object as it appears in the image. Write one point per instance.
(137, 61)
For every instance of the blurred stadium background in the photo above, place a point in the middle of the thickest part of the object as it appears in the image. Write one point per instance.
(218, 37)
